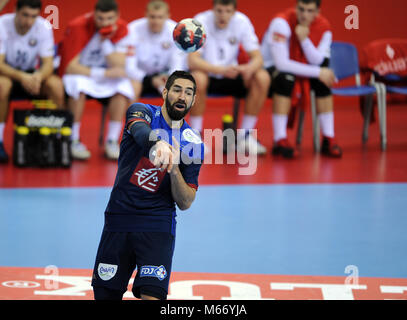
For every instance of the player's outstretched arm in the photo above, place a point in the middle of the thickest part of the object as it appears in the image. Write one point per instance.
(182, 193)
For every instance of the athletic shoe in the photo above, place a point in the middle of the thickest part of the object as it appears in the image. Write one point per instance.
(282, 147)
(112, 150)
(330, 148)
(250, 145)
(79, 151)
(3, 154)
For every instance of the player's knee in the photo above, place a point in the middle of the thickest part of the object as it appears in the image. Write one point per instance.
(262, 80)
(283, 84)
(101, 293)
(54, 85)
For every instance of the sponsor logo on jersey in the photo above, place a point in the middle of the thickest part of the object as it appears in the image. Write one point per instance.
(152, 271)
(106, 271)
(166, 45)
(232, 40)
(147, 177)
(191, 136)
(32, 42)
(141, 115)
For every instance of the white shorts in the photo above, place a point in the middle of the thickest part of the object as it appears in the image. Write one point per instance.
(98, 89)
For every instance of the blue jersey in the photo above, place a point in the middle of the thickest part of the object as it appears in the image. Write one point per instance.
(141, 199)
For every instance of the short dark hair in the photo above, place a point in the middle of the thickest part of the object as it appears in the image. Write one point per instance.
(225, 2)
(317, 2)
(179, 75)
(33, 4)
(106, 6)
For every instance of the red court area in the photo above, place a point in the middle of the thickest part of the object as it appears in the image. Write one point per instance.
(360, 163)
(74, 284)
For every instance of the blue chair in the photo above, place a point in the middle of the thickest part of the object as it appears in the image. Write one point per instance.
(395, 89)
(345, 64)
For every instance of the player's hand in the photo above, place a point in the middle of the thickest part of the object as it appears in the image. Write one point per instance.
(230, 72)
(327, 77)
(246, 71)
(37, 80)
(159, 81)
(302, 32)
(29, 83)
(163, 157)
(115, 72)
(176, 157)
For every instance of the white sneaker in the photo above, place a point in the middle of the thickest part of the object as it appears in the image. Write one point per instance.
(79, 151)
(250, 145)
(112, 150)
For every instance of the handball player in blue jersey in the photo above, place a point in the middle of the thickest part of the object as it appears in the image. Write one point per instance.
(159, 164)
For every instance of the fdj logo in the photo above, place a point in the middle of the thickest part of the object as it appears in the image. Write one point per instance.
(156, 272)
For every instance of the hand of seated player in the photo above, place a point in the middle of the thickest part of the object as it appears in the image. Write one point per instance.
(327, 77)
(230, 72)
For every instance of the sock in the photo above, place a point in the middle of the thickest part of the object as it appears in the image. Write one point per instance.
(248, 123)
(280, 126)
(326, 120)
(2, 125)
(196, 122)
(114, 131)
(75, 131)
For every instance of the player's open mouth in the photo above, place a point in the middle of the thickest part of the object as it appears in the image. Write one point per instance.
(180, 106)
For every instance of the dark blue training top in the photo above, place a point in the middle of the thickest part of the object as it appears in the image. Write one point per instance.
(141, 198)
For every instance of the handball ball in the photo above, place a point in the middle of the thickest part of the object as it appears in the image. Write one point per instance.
(189, 35)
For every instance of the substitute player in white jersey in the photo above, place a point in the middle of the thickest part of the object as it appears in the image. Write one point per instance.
(93, 63)
(26, 61)
(216, 69)
(296, 51)
(156, 54)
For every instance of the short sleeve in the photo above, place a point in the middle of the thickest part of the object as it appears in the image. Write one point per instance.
(3, 40)
(279, 31)
(250, 41)
(47, 48)
(191, 175)
(138, 112)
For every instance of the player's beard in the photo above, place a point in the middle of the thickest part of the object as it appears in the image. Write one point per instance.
(174, 114)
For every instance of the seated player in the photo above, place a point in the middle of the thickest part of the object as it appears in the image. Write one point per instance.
(93, 64)
(26, 41)
(216, 70)
(296, 47)
(156, 54)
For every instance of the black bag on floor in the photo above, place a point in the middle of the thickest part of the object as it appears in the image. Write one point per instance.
(42, 138)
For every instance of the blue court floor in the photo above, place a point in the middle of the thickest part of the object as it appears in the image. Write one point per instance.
(310, 229)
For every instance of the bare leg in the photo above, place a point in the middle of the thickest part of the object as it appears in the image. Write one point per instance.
(53, 88)
(5, 89)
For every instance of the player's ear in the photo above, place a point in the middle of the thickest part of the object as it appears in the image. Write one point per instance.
(165, 93)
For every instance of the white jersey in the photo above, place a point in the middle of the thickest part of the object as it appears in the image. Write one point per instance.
(222, 45)
(275, 49)
(95, 52)
(23, 52)
(155, 52)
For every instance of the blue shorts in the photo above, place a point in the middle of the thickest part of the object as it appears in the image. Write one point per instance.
(120, 253)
